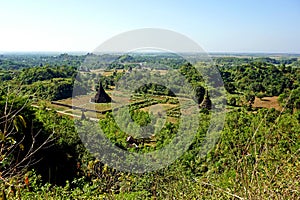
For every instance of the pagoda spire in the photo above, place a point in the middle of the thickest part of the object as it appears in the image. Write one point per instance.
(101, 96)
(206, 103)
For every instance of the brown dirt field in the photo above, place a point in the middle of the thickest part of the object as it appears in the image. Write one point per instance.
(164, 106)
(105, 72)
(173, 120)
(83, 102)
(267, 102)
(161, 71)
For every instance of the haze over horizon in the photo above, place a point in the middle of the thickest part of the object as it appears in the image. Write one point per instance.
(217, 26)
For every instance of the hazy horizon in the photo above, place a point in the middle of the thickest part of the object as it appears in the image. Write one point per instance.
(86, 52)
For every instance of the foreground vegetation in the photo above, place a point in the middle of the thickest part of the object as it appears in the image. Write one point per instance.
(256, 157)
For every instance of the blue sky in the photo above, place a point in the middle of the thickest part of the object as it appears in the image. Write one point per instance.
(217, 26)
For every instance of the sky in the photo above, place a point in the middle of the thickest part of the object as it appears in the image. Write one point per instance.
(217, 26)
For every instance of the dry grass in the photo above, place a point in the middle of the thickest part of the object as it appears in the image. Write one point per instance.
(160, 106)
(267, 102)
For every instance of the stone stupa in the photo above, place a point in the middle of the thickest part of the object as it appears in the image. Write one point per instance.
(206, 103)
(101, 96)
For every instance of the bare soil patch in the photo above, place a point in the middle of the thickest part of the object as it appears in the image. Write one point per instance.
(267, 102)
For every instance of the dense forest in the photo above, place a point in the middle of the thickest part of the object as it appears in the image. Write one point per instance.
(42, 155)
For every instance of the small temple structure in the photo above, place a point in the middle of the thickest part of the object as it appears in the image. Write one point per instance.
(83, 117)
(206, 103)
(101, 96)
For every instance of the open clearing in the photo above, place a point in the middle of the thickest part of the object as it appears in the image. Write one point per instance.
(267, 102)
